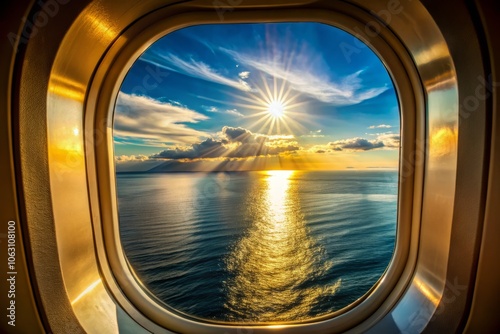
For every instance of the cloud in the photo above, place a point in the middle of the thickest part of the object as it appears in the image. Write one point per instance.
(139, 157)
(381, 126)
(348, 91)
(386, 141)
(209, 148)
(314, 134)
(232, 142)
(154, 122)
(244, 75)
(194, 68)
(177, 103)
(390, 140)
(124, 158)
(234, 112)
(355, 144)
(211, 108)
(240, 135)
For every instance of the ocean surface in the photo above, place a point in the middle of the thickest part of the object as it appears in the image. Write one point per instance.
(258, 246)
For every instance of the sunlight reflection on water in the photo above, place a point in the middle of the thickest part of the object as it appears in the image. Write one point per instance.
(274, 266)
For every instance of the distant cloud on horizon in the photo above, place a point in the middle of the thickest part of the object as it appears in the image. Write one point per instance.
(139, 157)
(356, 144)
(387, 141)
(381, 126)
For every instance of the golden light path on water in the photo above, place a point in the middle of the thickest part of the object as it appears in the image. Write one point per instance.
(273, 264)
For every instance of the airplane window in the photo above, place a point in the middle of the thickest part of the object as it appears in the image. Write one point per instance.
(257, 170)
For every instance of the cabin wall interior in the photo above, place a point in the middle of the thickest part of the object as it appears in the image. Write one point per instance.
(31, 34)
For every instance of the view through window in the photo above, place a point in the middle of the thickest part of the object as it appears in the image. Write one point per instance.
(257, 170)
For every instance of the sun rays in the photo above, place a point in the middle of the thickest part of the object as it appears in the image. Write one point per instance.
(275, 107)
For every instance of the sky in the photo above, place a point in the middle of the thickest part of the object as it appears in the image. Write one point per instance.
(223, 97)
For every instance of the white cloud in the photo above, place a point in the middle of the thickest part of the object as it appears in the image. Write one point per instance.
(381, 126)
(244, 74)
(234, 112)
(211, 108)
(314, 134)
(154, 122)
(177, 103)
(377, 134)
(348, 91)
(194, 68)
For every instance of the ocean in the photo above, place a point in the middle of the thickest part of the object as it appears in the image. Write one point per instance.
(258, 246)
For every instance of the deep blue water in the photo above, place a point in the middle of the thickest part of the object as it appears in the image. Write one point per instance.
(258, 246)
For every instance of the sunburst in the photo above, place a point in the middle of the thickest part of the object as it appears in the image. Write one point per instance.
(276, 107)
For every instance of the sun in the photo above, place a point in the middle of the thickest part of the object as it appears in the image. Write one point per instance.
(276, 108)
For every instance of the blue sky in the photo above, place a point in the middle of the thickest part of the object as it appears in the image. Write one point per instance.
(262, 96)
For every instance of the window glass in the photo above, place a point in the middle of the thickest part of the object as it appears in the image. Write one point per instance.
(257, 170)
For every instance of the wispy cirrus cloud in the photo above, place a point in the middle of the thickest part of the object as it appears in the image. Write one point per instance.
(348, 91)
(233, 111)
(153, 122)
(194, 68)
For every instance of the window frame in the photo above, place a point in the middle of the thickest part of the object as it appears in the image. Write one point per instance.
(99, 151)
